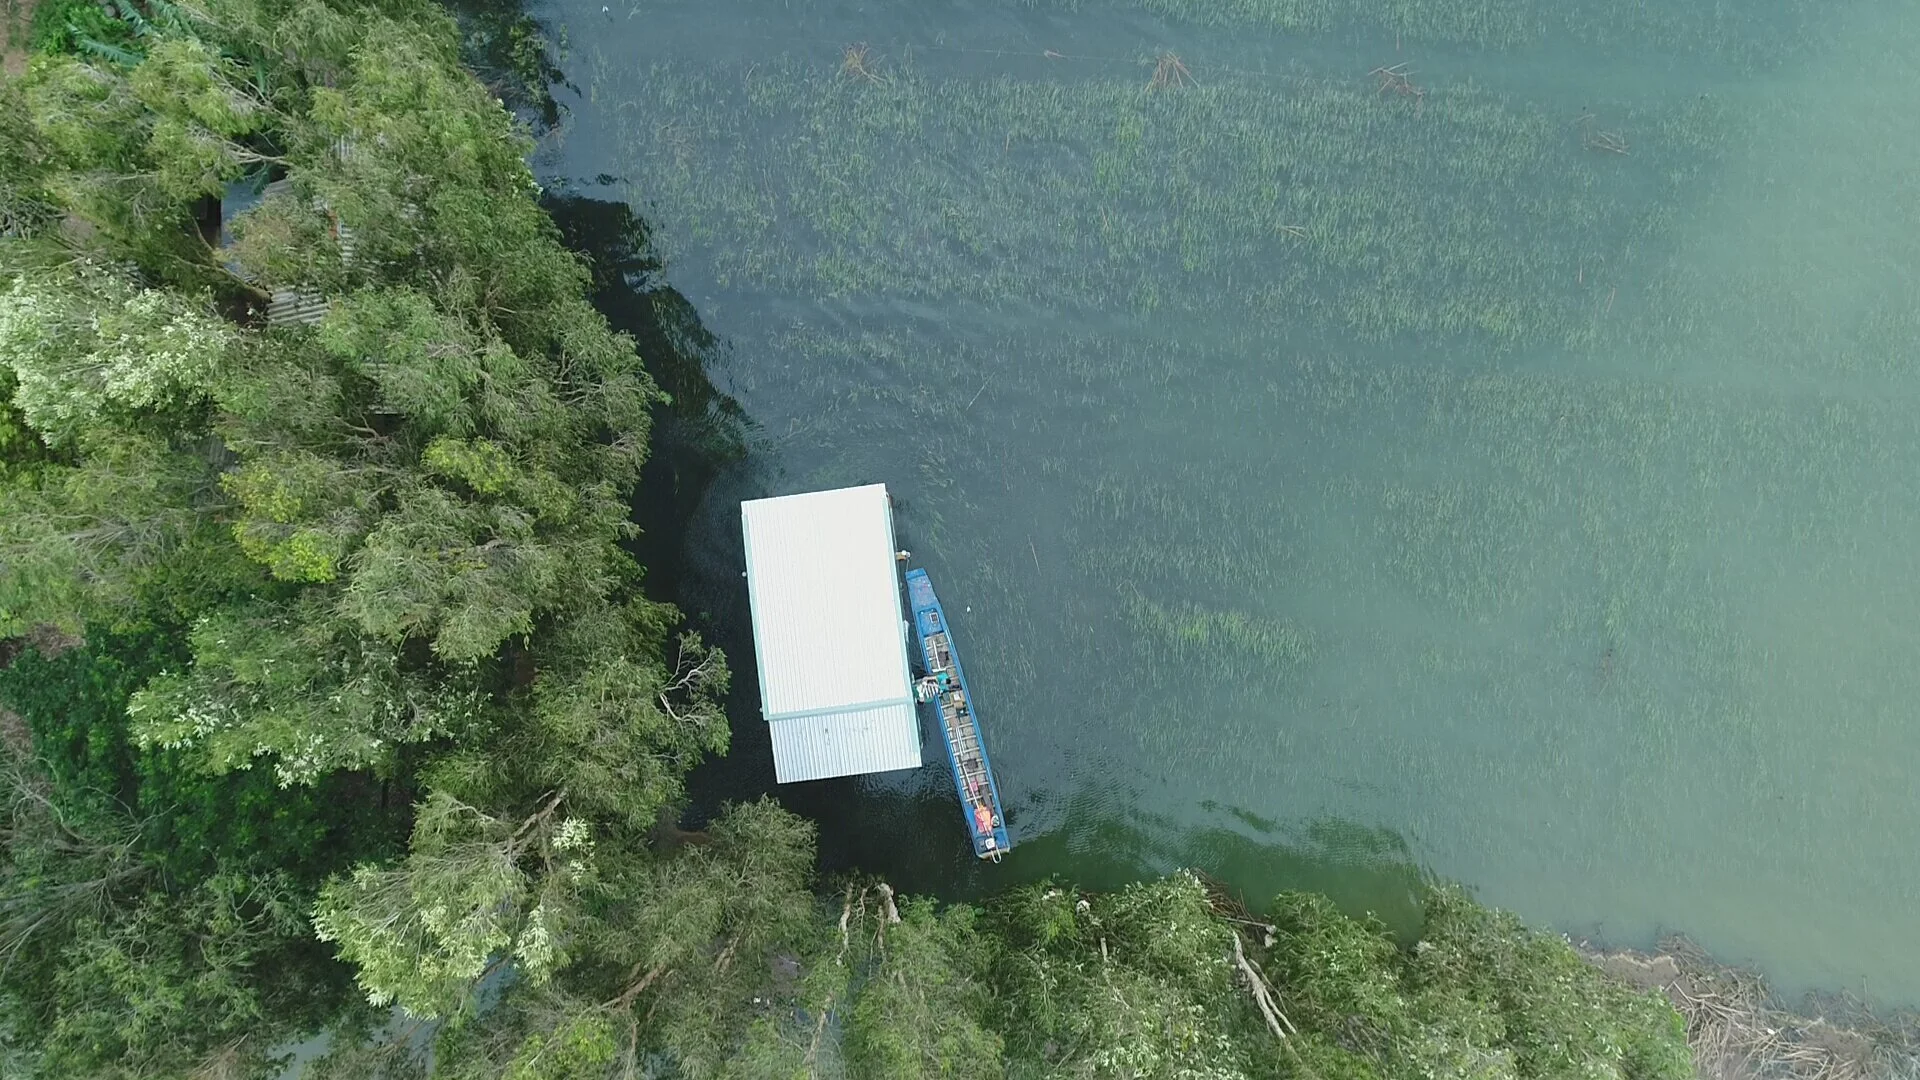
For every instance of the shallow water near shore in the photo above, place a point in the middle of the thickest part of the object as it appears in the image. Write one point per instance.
(1479, 439)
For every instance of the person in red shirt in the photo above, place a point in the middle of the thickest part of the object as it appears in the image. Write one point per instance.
(982, 819)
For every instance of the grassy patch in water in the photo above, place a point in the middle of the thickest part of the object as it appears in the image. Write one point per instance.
(1299, 204)
(1759, 34)
(1194, 633)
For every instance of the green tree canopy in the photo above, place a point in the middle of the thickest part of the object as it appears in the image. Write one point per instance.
(385, 548)
(361, 519)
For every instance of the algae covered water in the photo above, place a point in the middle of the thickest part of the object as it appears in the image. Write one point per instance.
(1478, 437)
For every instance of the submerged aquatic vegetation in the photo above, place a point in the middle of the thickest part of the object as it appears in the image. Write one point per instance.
(1368, 207)
(1226, 638)
(1581, 451)
(1743, 34)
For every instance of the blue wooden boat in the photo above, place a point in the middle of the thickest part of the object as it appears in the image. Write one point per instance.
(945, 684)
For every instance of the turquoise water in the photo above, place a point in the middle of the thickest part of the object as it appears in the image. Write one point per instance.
(1511, 473)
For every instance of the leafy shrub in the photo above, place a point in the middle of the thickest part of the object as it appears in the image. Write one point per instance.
(75, 707)
(79, 27)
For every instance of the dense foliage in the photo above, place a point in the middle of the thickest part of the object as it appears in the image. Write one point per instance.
(334, 703)
(324, 572)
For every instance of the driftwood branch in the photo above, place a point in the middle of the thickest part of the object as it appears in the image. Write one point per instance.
(1170, 73)
(1611, 142)
(1398, 79)
(854, 63)
(1262, 994)
(846, 912)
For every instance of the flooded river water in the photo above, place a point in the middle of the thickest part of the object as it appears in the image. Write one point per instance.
(1469, 437)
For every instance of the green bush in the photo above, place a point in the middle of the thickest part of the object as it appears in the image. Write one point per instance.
(191, 822)
(81, 27)
(1478, 994)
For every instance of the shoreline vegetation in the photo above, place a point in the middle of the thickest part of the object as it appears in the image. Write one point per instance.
(337, 704)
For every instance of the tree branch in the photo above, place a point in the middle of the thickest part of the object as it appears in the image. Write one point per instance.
(1262, 994)
(626, 996)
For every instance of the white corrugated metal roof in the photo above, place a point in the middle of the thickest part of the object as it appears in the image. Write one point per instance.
(846, 743)
(828, 632)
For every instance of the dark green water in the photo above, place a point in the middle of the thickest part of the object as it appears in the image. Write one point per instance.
(1340, 482)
